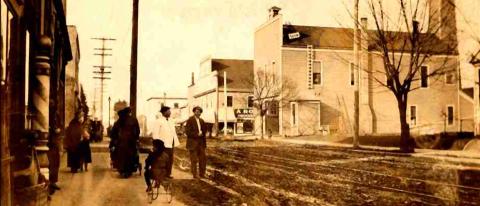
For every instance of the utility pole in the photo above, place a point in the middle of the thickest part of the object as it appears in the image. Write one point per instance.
(225, 99)
(133, 60)
(356, 62)
(101, 73)
(109, 116)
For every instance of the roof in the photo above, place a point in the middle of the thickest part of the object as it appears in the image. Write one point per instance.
(239, 72)
(342, 38)
(167, 98)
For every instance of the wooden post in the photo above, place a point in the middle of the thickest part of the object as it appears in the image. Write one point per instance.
(356, 53)
(133, 60)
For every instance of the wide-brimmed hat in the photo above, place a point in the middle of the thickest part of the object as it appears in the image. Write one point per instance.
(164, 109)
(124, 111)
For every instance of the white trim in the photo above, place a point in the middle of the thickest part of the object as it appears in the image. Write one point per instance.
(428, 78)
(409, 110)
(453, 115)
(319, 119)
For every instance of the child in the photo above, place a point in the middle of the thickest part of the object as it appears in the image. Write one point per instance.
(85, 151)
(156, 164)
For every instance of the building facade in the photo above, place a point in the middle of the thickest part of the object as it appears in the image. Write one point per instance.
(72, 84)
(320, 62)
(34, 51)
(230, 102)
(178, 108)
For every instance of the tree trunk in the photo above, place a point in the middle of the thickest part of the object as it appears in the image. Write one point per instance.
(261, 122)
(406, 142)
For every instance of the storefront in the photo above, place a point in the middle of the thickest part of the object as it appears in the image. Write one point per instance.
(244, 123)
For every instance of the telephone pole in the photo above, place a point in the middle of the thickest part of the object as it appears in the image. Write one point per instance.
(101, 74)
(133, 60)
(356, 44)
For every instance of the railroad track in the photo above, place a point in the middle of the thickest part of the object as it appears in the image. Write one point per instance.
(383, 188)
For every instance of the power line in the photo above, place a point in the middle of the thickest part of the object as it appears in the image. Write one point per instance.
(101, 74)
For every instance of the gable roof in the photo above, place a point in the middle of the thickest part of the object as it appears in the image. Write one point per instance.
(238, 71)
(296, 36)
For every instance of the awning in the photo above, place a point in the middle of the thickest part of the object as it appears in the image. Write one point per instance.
(230, 114)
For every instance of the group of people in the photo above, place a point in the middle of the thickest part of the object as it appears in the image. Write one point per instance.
(159, 162)
(77, 144)
(124, 138)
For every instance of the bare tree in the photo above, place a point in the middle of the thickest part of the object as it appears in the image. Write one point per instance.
(270, 90)
(406, 39)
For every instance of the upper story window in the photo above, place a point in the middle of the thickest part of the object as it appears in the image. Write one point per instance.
(450, 78)
(250, 101)
(352, 74)
(317, 73)
(229, 101)
(424, 76)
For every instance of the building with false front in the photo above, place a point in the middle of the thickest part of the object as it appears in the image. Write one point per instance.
(320, 62)
(35, 48)
(236, 107)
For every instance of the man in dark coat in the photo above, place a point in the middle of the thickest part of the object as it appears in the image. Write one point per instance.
(196, 142)
(125, 135)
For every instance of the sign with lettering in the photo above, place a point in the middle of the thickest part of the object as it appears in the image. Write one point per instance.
(294, 35)
(244, 113)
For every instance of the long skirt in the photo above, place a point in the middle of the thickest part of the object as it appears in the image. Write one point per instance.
(73, 159)
(85, 151)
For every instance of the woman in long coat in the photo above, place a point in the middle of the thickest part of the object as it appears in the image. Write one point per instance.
(125, 134)
(72, 141)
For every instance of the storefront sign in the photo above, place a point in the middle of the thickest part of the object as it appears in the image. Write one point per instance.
(244, 113)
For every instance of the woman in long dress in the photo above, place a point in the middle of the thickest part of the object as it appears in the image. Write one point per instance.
(125, 134)
(73, 138)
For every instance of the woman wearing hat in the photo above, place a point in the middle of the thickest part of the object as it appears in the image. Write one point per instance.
(125, 134)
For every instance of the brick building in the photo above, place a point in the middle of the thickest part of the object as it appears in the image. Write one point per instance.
(208, 92)
(320, 61)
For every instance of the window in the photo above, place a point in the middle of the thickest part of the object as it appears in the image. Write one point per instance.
(272, 108)
(294, 114)
(424, 76)
(352, 74)
(229, 101)
(317, 73)
(449, 78)
(5, 18)
(450, 115)
(413, 115)
(175, 105)
(250, 101)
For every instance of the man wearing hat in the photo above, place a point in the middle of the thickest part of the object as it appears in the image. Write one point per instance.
(165, 130)
(196, 142)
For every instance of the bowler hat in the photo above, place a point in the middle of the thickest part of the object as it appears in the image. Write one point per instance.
(197, 107)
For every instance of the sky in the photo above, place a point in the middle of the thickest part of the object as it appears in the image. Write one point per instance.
(175, 35)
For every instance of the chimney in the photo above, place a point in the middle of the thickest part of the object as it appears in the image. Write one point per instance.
(443, 19)
(193, 79)
(363, 34)
(273, 12)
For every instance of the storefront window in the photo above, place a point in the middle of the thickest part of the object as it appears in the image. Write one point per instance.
(5, 17)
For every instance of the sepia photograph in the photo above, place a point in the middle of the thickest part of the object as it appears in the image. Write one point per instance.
(240, 102)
